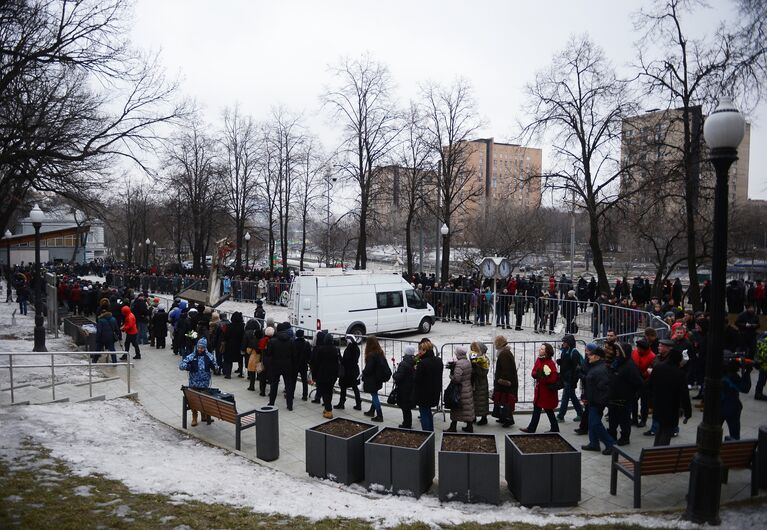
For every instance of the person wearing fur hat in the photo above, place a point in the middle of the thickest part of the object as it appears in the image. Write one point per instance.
(461, 374)
(262, 372)
(253, 334)
(480, 366)
(199, 364)
(350, 363)
(506, 384)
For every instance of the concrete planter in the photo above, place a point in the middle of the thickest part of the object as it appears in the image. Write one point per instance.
(335, 458)
(399, 470)
(545, 478)
(469, 476)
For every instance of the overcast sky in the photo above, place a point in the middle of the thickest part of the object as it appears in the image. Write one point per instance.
(260, 54)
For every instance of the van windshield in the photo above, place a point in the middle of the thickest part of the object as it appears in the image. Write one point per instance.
(414, 300)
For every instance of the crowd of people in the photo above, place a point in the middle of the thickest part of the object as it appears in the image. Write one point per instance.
(612, 377)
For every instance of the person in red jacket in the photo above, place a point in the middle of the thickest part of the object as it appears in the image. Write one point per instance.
(131, 333)
(546, 399)
(643, 357)
(74, 298)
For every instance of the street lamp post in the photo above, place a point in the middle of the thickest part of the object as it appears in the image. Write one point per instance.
(146, 252)
(138, 260)
(329, 180)
(247, 250)
(37, 217)
(154, 253)
(723, 131)
(445, 263)
(8, 279)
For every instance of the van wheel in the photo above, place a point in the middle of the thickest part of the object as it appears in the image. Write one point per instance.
(425, 326)
(357, 330)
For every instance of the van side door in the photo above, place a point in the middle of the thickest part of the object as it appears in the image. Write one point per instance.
(415, 308)
(391, 310)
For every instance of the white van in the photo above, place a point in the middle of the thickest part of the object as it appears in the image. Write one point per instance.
(357, 302)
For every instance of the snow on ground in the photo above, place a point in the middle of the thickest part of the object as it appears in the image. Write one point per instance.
(17, 335)
(121, 441)
(150, 457)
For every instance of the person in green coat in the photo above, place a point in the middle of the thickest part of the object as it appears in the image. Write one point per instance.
(480, 366)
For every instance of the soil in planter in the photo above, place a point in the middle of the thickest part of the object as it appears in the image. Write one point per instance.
(341, 428)
(410, 439)
(541, 444)
(468, 444)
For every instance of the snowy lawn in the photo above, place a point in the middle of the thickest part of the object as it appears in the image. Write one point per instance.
(118, 441)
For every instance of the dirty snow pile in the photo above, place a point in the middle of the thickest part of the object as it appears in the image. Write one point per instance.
(119, 440)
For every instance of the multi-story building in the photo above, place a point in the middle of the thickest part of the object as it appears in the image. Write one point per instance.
(651, 146)
(506, 173)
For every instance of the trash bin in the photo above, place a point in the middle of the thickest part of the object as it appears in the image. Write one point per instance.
(82, 330)
(762, 456)
(267, 433)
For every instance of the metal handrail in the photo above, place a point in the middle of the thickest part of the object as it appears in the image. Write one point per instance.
(53, 367)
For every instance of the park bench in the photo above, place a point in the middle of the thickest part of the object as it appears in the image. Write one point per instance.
(218, 408)
(735, 454)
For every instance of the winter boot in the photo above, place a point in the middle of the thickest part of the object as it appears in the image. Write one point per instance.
(327, 414)
(482, 421)
(194, 418)
(378, 418)
(371, 412)
(469, 427)
(453, 427)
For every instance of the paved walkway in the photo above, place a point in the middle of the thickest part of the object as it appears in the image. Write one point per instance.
(157, 380)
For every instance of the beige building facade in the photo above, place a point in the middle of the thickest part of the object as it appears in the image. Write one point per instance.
(506, 173)
(651, 146)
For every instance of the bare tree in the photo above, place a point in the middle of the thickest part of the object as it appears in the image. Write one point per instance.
(581, 102)
(194, 171)
(450, 122)
(240, 165)
(287, 137)
(414, 179)
(59, 131)
(308, 187)
(361, 102)
(689, 74)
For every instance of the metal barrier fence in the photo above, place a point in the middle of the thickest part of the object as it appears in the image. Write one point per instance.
(239, 290)
(541, 314)
(11, 367)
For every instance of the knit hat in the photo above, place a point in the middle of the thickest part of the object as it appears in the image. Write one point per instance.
(299, 333)
(202, 343)
(592, 346)
(269, 331)
(569, 340)
(409, 350)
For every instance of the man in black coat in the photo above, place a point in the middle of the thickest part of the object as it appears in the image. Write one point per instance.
(428, 382)
(303, 351)
(596, 386)
(625, 384)
(669, 391)
(280, 353)
(160, 327)
(747, 323)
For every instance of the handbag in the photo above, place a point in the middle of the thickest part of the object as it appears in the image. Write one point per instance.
(557, 385)
(393, 396)
(452, 396)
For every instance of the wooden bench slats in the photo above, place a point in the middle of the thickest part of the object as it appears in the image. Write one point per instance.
(218, 408)
(675, 459)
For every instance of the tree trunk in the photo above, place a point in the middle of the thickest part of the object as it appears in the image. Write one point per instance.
(409, 244)
(596, 255)
(692, 124)
(361, 259)
(445, 265)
